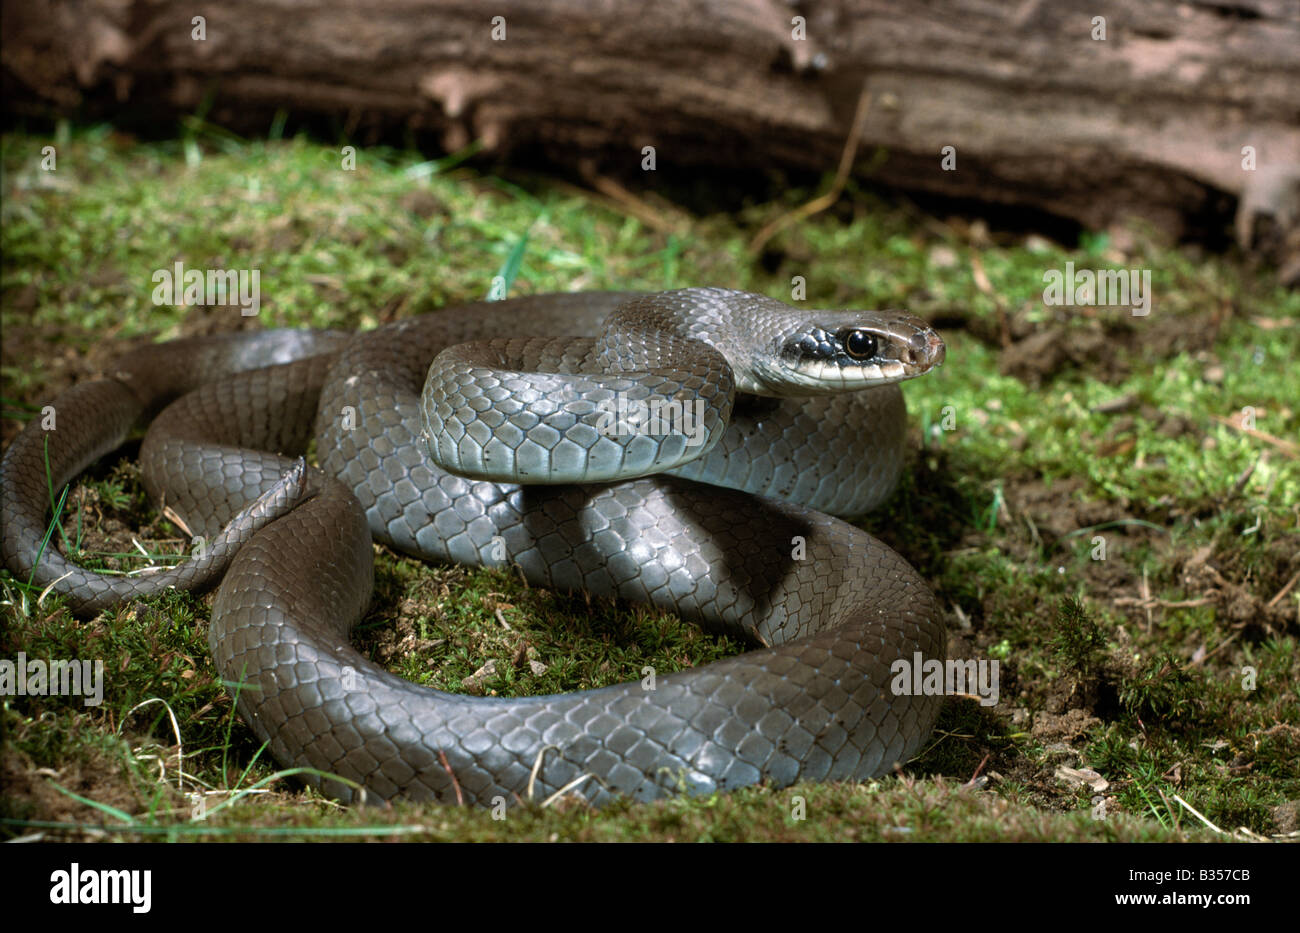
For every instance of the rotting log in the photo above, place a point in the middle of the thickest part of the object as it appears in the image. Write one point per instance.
(1098, 112)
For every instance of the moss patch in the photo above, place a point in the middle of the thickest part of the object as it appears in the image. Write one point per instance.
(1107, 505)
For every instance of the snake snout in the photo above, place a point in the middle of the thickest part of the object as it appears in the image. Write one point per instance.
(926, 349)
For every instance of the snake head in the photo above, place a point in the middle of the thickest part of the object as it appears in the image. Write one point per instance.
(823, 352)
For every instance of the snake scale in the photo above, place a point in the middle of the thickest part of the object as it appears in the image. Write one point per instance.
(790, 413)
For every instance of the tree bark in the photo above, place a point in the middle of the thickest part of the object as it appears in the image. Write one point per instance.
(1098, 112)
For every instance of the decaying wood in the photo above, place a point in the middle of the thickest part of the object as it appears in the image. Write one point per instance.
(1157, 120)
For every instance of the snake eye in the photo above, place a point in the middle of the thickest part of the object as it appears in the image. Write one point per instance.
(860, 344)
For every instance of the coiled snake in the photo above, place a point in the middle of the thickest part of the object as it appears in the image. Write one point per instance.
(661, 392)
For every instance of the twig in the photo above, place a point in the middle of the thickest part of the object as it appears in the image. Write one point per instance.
(1146, 594)
(565, 789)
(537, 767)
(1287, 447)
(978, 769)
(1245, 476)
(1285, 589)
(819, 204)
(628, 203)
(1116, 405)
(460, 799)
(1223, 644)
(1191, 809)
(1148, 602)
(176, 730)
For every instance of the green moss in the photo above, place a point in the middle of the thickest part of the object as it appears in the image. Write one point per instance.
(1077, 640)
(1011, 484)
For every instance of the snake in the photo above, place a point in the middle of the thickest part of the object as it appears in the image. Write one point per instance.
(694, 450)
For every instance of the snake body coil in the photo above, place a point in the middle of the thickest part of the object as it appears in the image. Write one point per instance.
(621, 422)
